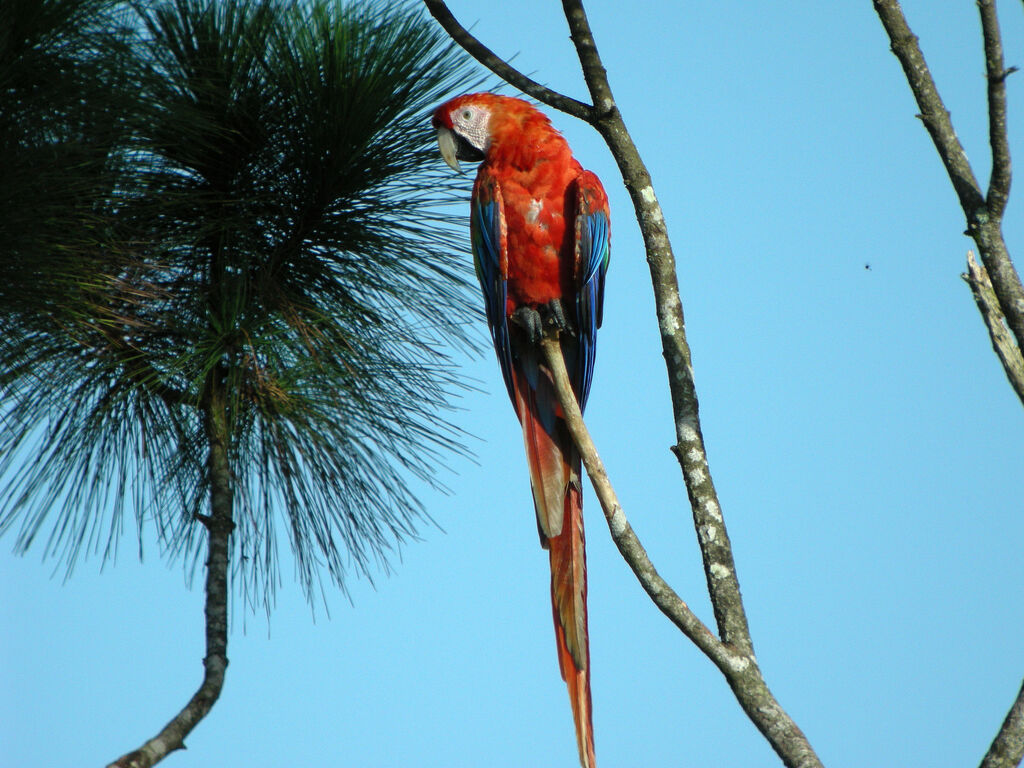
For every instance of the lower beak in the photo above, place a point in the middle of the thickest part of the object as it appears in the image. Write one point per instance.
(446, 143)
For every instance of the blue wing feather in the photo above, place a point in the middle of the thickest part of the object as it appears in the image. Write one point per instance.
(593, 252)
(487, 234)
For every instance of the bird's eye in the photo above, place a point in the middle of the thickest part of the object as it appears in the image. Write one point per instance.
(467, 114)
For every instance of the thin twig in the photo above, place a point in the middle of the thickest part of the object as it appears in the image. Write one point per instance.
(715, 546)
(984, 223)
(996, 286)
(498, 66)
(633, 552)
(594, 72)
(1003, 343)
(739, 667)
(934, 114)
(999, 181)
(1007, 748)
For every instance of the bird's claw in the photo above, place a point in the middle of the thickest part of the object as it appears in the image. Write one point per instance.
(553, 315)
(530, 321)
(535, 320)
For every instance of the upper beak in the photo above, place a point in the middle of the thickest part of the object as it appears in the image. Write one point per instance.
(446, 143)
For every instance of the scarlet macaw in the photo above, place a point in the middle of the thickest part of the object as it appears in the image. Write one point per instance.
(540, 235)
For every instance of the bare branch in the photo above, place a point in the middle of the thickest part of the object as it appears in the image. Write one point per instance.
(502, 69)
(172, 736)
(625, 539)
(999, 182)
(984, 223)
(1007, 748)
(716, 549)
(594, 72)
(219, 525)
(738, 666)
(934, 114)
(1003, 343)
(996, 286)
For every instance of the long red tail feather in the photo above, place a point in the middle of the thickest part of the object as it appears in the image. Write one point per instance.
(569, 608)
(555, 477)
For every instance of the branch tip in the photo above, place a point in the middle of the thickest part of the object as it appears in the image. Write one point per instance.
(1003, 342)
(463, 37)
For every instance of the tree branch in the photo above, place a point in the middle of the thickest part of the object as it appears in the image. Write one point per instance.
(502, 69)
(739, 666)
(999, 181)
(716, 549)
(1007, 748)
(1003, 343)
(219, 525)
(984, 217)
(594, 73)
(996, 286)
(625, 539)
(934, 114)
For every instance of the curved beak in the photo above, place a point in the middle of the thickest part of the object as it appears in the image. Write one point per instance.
(449, 150)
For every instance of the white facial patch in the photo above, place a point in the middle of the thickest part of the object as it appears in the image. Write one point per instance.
(471, 124)
(536, 206)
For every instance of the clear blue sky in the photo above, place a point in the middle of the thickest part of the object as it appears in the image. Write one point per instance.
(865, 444)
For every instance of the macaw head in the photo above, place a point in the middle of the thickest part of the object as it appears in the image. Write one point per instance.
(463, 128)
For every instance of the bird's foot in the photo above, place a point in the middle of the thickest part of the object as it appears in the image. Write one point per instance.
(536, 320)
(530, 321)
(553, 316)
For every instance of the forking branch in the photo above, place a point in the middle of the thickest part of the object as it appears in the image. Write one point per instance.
(732, 649)
(995, 284)
(740, 668)
(1005, 347)
(983, 211)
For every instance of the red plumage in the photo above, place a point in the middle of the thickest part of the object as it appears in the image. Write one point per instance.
(540, 234)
